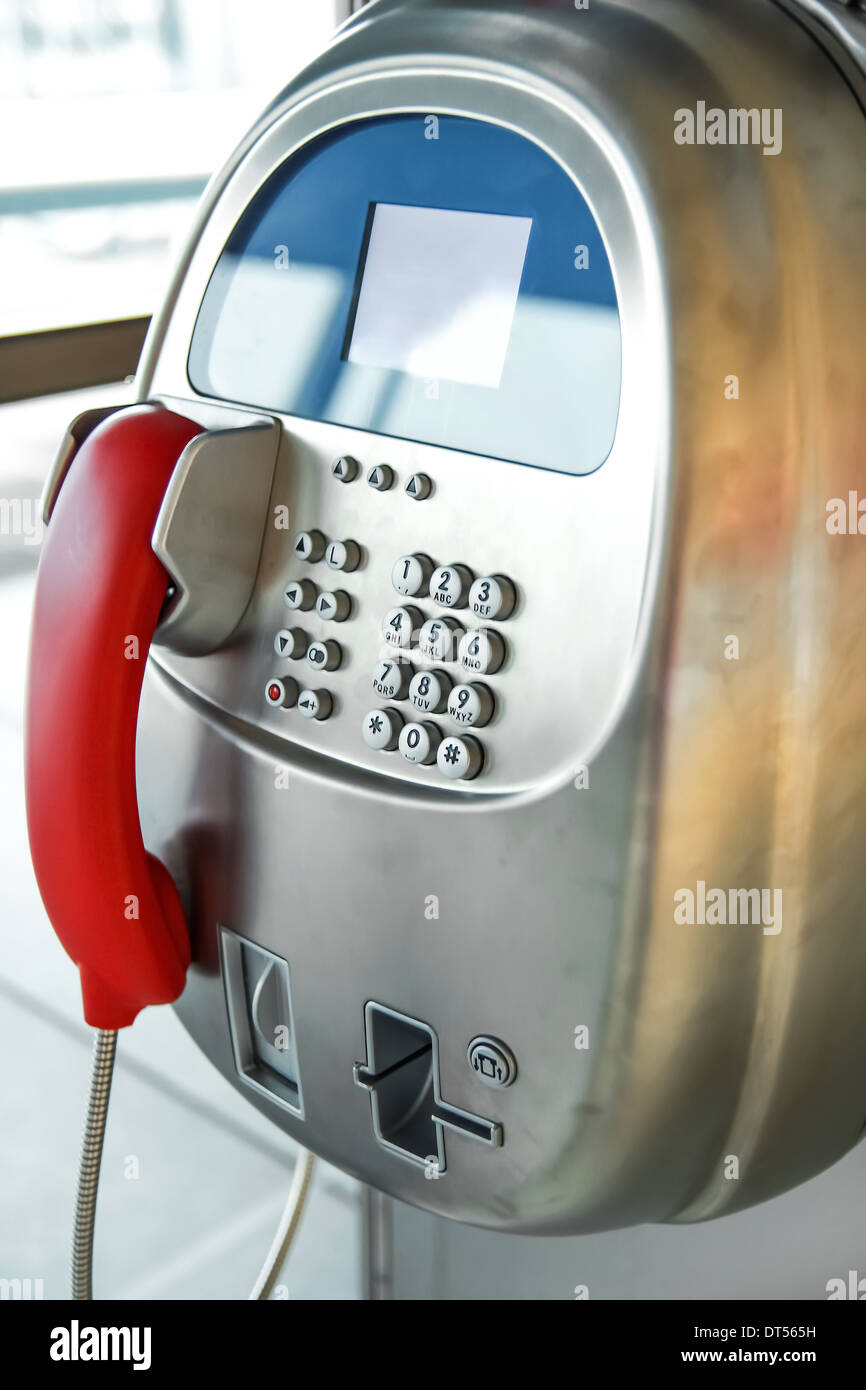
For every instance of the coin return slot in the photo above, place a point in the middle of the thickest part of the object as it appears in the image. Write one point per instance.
(402, 1077)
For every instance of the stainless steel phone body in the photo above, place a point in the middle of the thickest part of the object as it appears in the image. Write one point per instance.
(679, 703)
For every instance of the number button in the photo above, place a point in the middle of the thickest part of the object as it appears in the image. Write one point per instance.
(450, 585)
(399, 625)
(381, 478)
(428, 691)
(315, 704)
(438, 639)
(283, 693)
(461, 759)
(411, 575)
(300, 595)
(334, 608)
(493, 597)
(343, 555)
(471, 706)
(419, 487)
(391, 680)
(381, 729)
(482, 651)
(325, 656)
(309, 546)
(291, 643)
(418, 743)
(346, 469)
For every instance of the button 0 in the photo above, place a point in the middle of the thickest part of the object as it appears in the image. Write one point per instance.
(346, 469)
(282, 693)
(325, 656)
(461, 759)
(309, 546)
(381, 729)
(428, 691)
(291, 643)
(300, 595)
(471, 706)
(391, 680)
(381, 478)
(439, 638)
(334, 607)
(315, 704)
(343, 555)
(419, 487)
(482, 651)
(418, 743)
(411, 575)
(398, 626)
(493, 597)
(450, 585)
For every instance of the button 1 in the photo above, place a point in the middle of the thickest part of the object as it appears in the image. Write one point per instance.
(343, 555)
(419, 487)
(450, 585)
(482, 651)
(398, 626)
(493, 597)
(381, 478)
(428, 691)
(346, 469)
(418, 743)
(381, 729)
(291, 643)
(310, 546)
(492, 1062)
(282, 693)
(334, 607)
(471, 706)
(411, 575)
(460, 758)
(439, 638)
(315, 704)
(391, 680)
(300, 595)
(325, 656)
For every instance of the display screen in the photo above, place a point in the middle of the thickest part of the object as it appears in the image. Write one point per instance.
(448, 285)
(437, 291)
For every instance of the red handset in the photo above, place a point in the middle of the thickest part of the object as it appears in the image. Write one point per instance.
(99, 593)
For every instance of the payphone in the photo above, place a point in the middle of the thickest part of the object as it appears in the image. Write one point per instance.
(497, 816)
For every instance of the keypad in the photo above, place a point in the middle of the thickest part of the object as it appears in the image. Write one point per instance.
(440, 642)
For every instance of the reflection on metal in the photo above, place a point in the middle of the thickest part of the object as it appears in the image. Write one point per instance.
(69, 359)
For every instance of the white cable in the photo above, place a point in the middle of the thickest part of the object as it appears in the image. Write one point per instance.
(287, 1229)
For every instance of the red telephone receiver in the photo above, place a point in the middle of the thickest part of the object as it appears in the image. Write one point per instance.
(99, 593)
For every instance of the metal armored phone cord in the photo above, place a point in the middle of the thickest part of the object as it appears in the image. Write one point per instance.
(101, 1073)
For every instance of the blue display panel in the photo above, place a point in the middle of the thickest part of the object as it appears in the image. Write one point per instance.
(452, 290)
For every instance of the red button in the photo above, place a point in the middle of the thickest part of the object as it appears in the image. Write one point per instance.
(274, 693)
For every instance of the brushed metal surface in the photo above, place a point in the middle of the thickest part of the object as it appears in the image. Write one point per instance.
(522, 907)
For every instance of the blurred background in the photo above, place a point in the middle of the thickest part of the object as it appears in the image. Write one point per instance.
(113, 114)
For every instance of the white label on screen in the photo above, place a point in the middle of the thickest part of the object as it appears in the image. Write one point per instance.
(438, 292)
